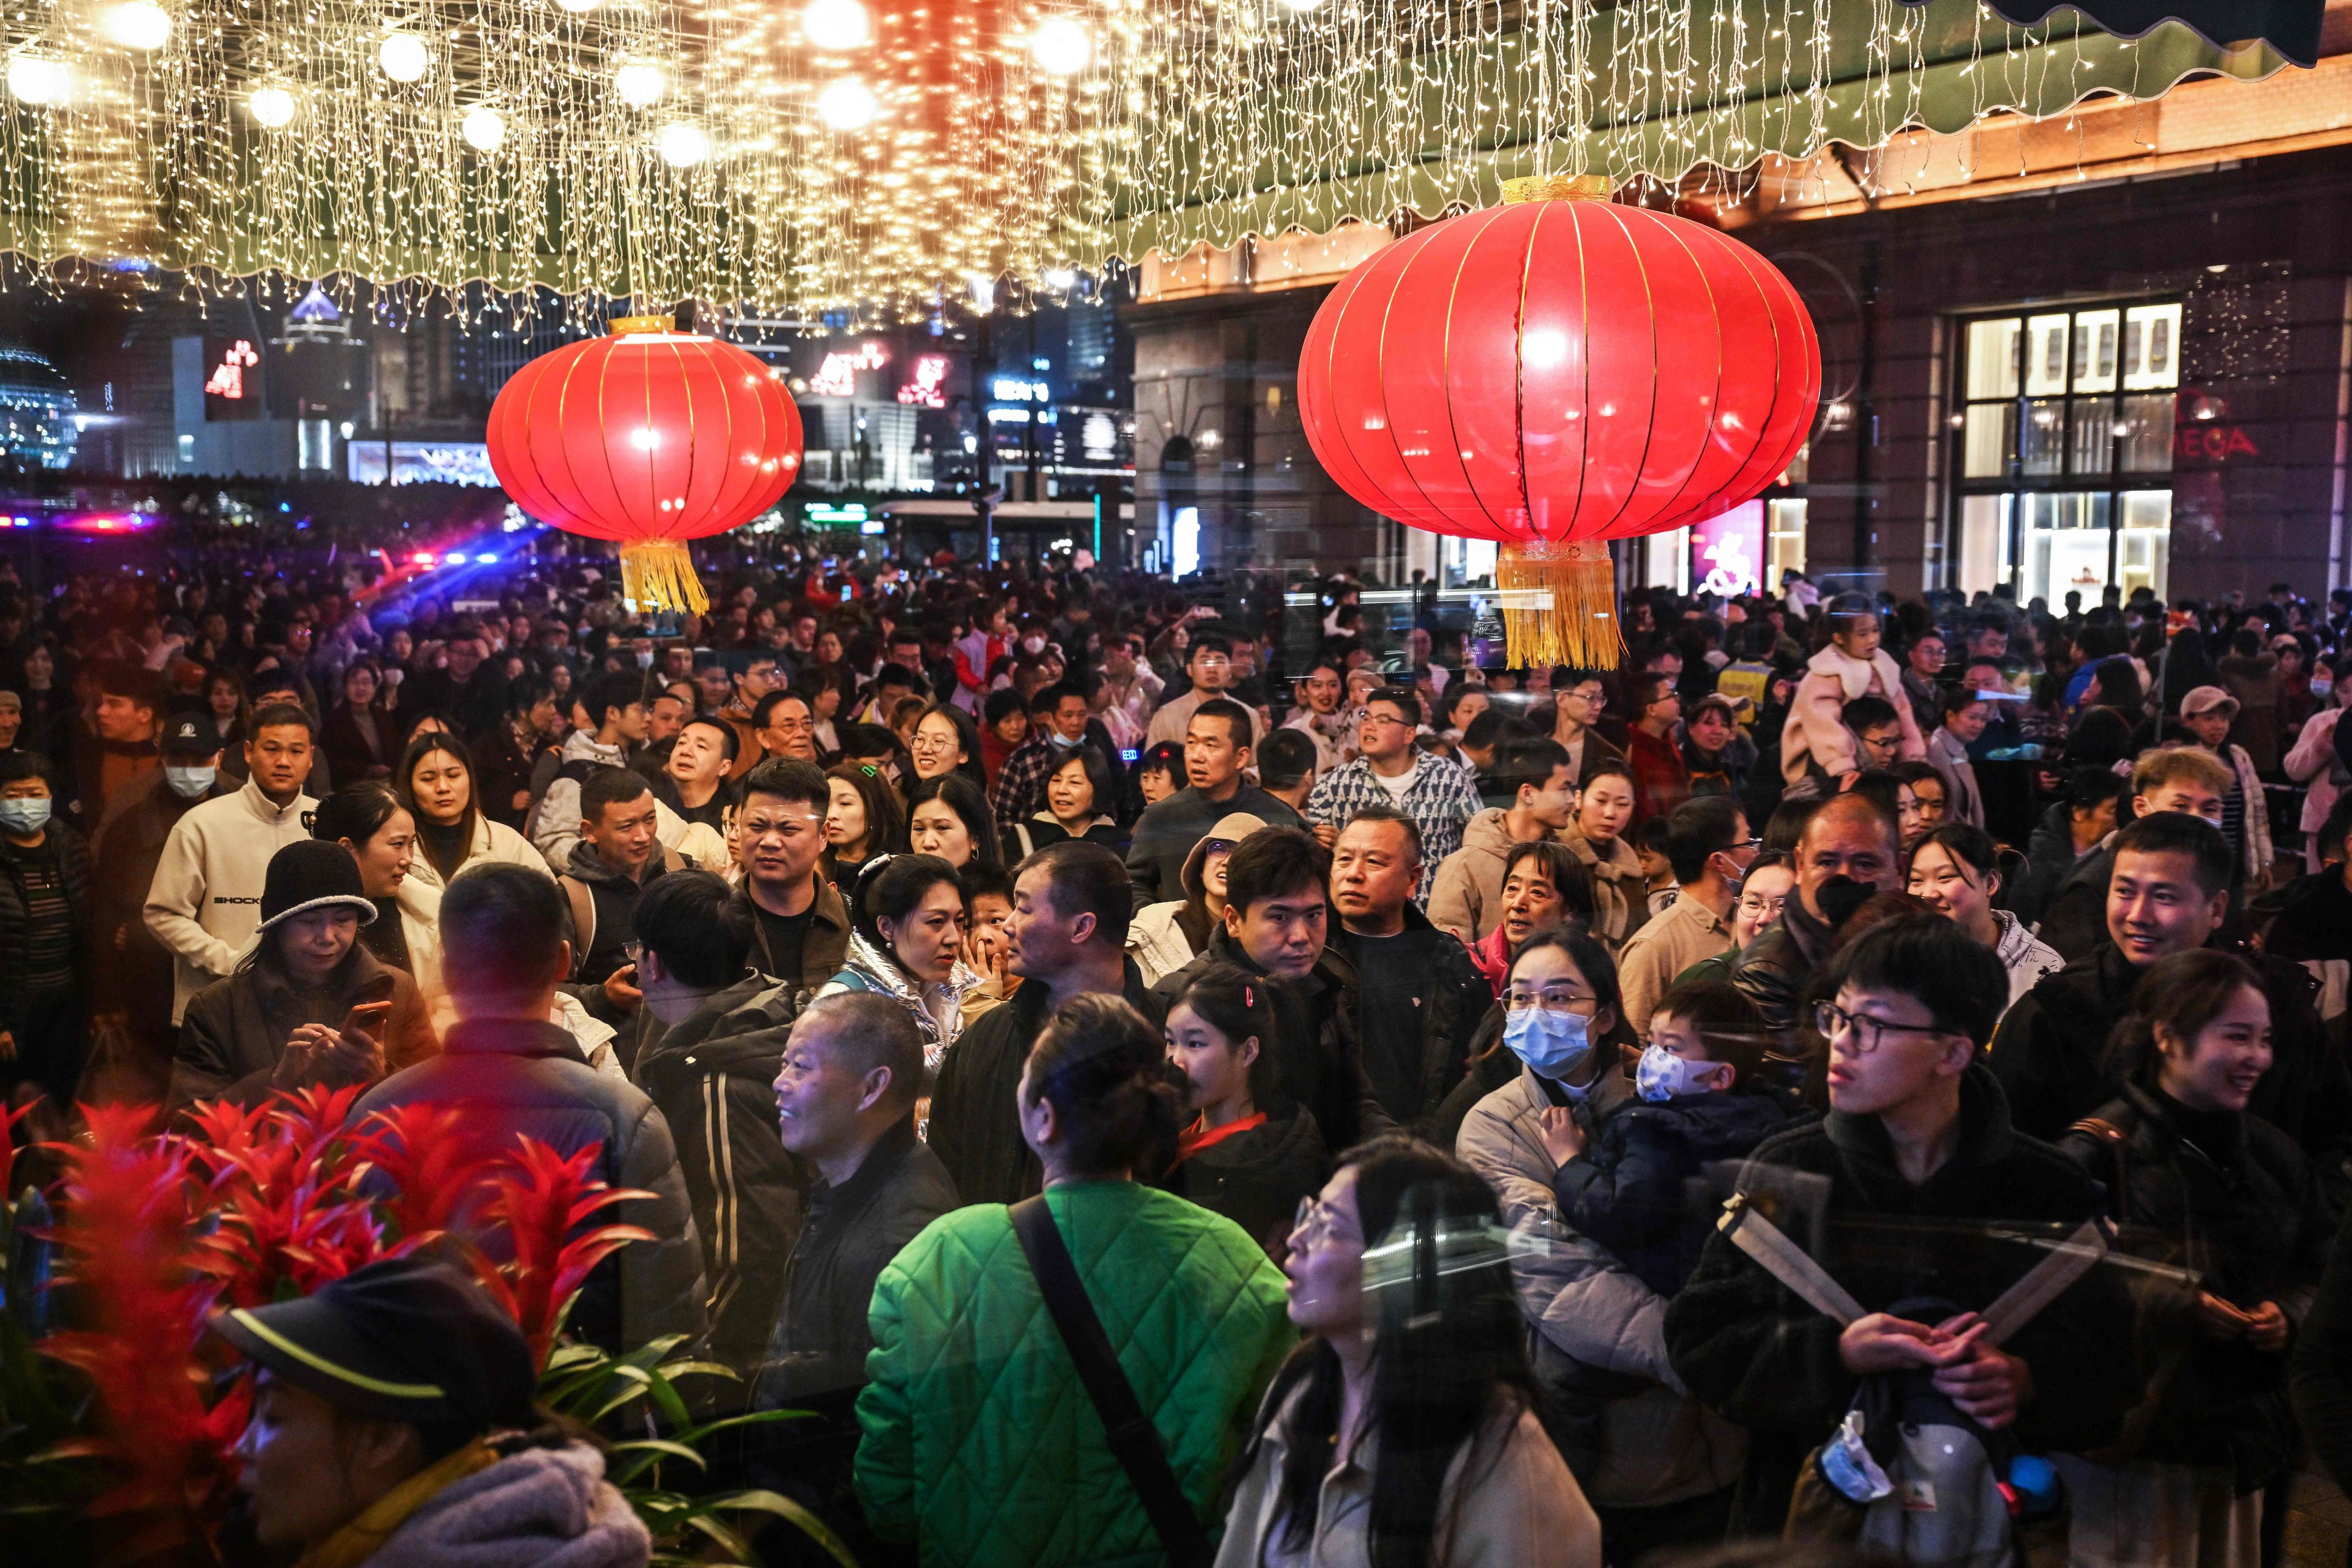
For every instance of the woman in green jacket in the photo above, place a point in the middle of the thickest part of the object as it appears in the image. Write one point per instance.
(980, 1443)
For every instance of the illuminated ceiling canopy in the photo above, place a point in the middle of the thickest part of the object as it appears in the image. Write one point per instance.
(888, 155)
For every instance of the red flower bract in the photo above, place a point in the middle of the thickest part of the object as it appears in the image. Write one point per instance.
(538, 1205)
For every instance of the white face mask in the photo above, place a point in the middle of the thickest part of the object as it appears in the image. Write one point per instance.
(1661, 1075)
(189, 784)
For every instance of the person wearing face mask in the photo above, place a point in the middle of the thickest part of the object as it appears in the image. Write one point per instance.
(2220, 1191)
(1846, 854)
(715, 1036)
(1699, 1096)
(1708, 848)
(1058, 725)
(45, 896)
(308, 1004)
(1656, 1468)
(2318, 759)
(133, 1033)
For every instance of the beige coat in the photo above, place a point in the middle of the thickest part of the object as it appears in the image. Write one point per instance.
(1816, 731)
(1466, 897)
(1621, 894)
(1520, 1509)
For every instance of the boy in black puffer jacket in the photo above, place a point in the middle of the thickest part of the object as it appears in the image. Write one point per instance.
(1639, 1188)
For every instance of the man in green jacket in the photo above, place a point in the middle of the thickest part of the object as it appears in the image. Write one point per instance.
(979, 1442)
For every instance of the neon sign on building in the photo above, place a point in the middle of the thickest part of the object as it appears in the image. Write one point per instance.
(228, 376)
(838, 376)
(928, 389)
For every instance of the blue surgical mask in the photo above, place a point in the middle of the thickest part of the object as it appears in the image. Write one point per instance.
(1060, 742)
(1661, 1075)
(1554, 1044)
(189, 784)
(23, 818)
(2323, 685)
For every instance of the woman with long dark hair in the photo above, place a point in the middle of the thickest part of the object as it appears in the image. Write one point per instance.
(2233, 1198)
(369, 820)
(1402, 1432)
(864, 820)
(436, 783)
(1081, 802)
(360, 737)
(948, 817)
(506, 757)
(1247, 1154)
(945, 740)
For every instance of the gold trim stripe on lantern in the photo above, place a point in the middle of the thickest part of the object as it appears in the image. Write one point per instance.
(648, 438)
(1552, 374)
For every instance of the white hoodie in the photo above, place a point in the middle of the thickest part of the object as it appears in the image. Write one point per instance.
(206, 901)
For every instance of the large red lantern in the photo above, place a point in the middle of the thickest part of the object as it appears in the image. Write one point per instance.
(649, 438)
(1553, 374)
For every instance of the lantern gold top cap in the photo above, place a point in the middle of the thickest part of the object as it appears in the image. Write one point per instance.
(630, 326)
(1560, 188)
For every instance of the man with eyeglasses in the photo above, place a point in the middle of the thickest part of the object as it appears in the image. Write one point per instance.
(1578, 698)
(785, 727)
(1917, 1134)
(1847, 855)
(1391, 770)
(758, 677)
(1708, 846)
(1210, 668)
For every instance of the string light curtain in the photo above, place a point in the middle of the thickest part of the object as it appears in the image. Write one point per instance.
(888, 156)
(1255, 117)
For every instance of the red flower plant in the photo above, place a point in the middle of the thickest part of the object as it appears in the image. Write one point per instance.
(432, 1159)
(281, 1181)
(128, 1255)
(540, 1203)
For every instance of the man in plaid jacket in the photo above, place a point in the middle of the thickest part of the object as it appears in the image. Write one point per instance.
(1391, 770)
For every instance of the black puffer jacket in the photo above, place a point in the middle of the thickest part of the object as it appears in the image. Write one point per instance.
(1758, 1354)
(517, 1075)
(1453, 1000)
(1256, 1178)
(2231, 1197)
(713, 1078)
(1318, 1063)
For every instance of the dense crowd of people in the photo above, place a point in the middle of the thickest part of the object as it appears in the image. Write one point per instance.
(1154, 1082)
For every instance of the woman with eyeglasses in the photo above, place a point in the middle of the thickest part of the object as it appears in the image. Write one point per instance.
(1403, 1430)
(945, 741)
(1953, 871)
(1658, 1469)
(1578, 698)
(1917, 1139)
(1247, 1154)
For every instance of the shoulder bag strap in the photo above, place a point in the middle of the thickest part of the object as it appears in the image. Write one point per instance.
(1134, 1440)
(583, 919)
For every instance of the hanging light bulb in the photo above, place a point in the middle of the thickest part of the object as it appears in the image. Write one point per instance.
(484, 129)
(404, 57)
(641, 83)
(272, 108)
(683, 144)
(38, 79)
(138, 25)
(848, 105)
(1060, 47)
(836, 27)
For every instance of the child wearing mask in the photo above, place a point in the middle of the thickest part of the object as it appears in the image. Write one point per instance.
(1699, 1097)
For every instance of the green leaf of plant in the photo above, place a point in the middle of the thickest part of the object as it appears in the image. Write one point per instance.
(785, 1509)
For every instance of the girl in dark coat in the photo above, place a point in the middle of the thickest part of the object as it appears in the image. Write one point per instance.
(2224, 1193)
(1246, 1154)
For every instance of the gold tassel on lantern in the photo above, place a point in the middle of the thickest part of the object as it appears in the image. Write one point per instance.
(1560, 605)
(658, 575)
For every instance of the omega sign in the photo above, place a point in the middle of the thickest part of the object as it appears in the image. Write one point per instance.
(2206, 443)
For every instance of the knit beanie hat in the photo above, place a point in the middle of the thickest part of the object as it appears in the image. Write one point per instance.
(313, 874)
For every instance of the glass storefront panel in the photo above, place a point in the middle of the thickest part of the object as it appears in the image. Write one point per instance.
(2046, 356)
(2151, 342)
(1992, 435)
(1784, 540)
(2094, 435)
(2148, 434)
(1983, 563)
(2041, 449)
(1992, 359)
(2144, 543)
(2065, 546)
(2096, 350)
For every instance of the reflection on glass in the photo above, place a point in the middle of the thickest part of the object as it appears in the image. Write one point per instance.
(1990, 440)
(2144, 543)
(2065, 546)
(1984, 558)
(1784, 540)
(2042, 445)
(2148, 434)
(2095, 348)
(1992, 359)
(2094, 435)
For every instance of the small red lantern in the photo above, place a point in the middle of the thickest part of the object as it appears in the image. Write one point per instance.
(649, 438)
(1553, 374)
